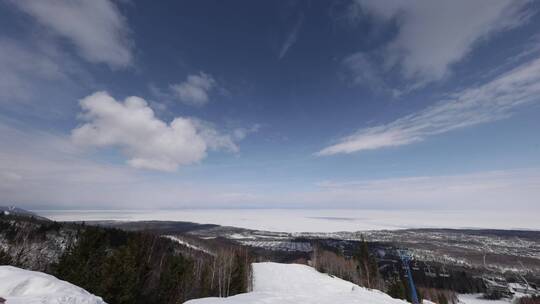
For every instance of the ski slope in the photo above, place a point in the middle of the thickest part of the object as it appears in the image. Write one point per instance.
(19, 286)
(275, 283)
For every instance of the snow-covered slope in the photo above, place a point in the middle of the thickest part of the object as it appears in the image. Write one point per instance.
(19, 286)
(275, 283)
(7, 210)
(187, 244)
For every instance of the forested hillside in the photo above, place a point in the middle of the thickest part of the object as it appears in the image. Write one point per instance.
(120, 266)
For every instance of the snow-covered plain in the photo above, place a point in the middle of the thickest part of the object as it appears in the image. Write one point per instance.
(275, 283)
(19, 286)
(315, 220)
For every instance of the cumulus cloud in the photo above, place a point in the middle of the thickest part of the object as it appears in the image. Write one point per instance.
(97, 28)
(147, 141)
(195, 89)
(485, 103)
(433, 35)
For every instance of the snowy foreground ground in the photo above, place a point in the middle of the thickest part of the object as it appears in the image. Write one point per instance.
(20, 286)
(275, 283)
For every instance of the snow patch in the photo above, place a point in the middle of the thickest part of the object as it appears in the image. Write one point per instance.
(238, 236)
(478, 298)
(185, 243)
(19, 286)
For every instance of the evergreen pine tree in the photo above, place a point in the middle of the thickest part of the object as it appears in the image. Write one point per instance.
(5, 258)
(396, 289)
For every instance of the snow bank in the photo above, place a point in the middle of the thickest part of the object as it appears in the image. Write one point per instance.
(275, 283)
(19, 286)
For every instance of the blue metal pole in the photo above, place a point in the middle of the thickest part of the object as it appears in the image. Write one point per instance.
(414, 295)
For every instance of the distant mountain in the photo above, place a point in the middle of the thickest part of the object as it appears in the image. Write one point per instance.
(12, 210)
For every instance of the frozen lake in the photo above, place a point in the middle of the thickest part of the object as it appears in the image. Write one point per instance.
(314, 220)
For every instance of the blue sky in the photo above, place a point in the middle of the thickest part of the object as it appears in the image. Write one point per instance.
(270, 104)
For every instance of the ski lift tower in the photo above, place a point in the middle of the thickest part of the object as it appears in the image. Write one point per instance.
(405, 259)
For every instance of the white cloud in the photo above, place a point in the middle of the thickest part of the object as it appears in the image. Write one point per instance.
(214, 139)
(22, 65)
(433, 35)
(34, 68)
(241, 133)
(39, 169)
(96, 28)
(194, 91)
(147, 141)
(364, 71)
(484, 103)
(291, 37)
(492, 189)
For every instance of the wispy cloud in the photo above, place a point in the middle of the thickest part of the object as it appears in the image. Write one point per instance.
(491, 189)
(97, 28)
(433, 35)
(291, 37)
(363, 70)
(195, 89)
(40, 169)
(22, 65)
(485, 103)
(33, 68)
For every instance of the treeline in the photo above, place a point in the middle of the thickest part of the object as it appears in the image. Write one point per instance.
(529, 300)
(126, 267)
(400, 289)
(439, 296)
(32, 243)
(458, 281)
(439, 289)
(138, 267)
(361, 268)
(5, 258)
